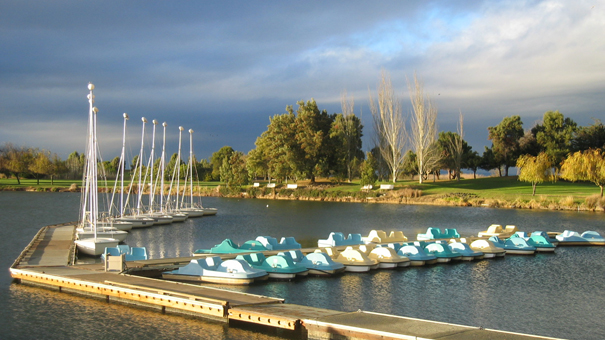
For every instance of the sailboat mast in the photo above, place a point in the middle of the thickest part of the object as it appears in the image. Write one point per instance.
(150, 168)
(122, 160)
(140, 166)
(178, 171)
(191, 164)
(91, 165)
(162, 167)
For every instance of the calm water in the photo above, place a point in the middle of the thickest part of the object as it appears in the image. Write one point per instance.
(559, 295)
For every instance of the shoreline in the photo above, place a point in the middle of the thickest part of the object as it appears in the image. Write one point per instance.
(395, 197)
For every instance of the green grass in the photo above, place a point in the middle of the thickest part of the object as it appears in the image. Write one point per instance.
(508, 188)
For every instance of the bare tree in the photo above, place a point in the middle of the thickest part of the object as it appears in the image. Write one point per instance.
(389, 126)
(424, 129)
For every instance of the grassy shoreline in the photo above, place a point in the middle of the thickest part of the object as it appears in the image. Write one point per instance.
(495, 192)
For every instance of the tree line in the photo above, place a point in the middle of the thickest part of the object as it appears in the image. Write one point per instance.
(308, 143)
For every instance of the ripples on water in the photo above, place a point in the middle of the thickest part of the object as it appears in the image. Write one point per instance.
(557, 295)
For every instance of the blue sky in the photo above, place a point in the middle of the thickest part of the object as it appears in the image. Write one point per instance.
(223, 68)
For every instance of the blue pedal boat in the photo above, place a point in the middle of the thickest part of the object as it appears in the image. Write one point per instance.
(465, 250)
(278, 266)
(214, 270)
(513, 245)
(318, 263)
(130, 253)
(417, 255)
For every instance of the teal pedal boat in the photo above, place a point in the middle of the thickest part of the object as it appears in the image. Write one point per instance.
(278, 266)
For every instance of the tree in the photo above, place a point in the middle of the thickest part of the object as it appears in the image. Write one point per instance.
(410, 165)
(59, 167)
(311, 133)
(489, 162)
(368, 170)
(233, 170)
(389, 126)
(75, 165)
(424, 129)
(346, 135)
(276, 146)
(589, 137)
(217, 160)
(534, 169)
(586, 165)
(473, 162)
(505, 140)
(40, 164)
(18, 160)
(554, 136)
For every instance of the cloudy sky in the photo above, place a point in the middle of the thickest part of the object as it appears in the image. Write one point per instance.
(223, 68)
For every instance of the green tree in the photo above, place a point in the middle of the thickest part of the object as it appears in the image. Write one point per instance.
(368, 170)
(75, 165)
(59, 167)
(275, 147)
(312, 130)
(345, 143)
(18, 160)
(40, 164)
(586, 165)
(505, 140)
(472, 161)
(589, 137)
(554, 136)
(410, 165)
(489, 162)
(233, 170)
(217, 160)
(534, 169)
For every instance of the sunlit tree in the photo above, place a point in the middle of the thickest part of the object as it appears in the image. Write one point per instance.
(586, 165)
(534, 169)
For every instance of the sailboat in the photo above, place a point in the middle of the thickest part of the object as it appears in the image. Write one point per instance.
(94, 245)
(137, 221)
(158, 217)
(190, 207)
(177, 216)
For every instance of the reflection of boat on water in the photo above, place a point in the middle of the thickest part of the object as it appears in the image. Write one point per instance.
(89, 217)
(213, 269)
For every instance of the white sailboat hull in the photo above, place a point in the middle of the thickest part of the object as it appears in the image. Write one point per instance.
(95, 247)
(119, 235)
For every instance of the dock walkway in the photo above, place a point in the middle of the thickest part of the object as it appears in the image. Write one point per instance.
(47, 261)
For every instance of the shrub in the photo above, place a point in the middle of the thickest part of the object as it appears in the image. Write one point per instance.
(73, 187)
(567, 202)
(594, 201)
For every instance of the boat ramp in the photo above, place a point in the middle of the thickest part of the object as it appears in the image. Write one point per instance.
(49, 261)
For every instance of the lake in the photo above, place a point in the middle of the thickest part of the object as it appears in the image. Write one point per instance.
(558, 295)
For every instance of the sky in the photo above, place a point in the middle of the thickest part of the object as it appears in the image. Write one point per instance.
(223, 68)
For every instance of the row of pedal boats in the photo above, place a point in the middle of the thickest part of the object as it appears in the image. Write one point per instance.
(362, 254)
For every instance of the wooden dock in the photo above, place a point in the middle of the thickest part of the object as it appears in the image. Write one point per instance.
(48, 261)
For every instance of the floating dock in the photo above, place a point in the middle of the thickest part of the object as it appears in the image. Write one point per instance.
(48, 261)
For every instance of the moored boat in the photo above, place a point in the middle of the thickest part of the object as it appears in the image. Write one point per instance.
(488, 248)
(213, 269)
(278, 266)
(465, 251)
(417, 255)
(388, 258)
(519, 247)
(443, 253)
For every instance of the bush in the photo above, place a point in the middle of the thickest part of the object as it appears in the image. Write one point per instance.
(253, 192)
(567, 202)
(594, 201)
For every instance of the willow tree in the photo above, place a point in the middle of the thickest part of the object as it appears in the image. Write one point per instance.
(585, 166)
(424, 129)
(534, 169)
(389, 126)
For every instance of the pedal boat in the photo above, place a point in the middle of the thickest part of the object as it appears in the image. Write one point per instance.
(278, 266)
(573, 238)
(417, 255)
(354, 260)
(388, 258)
(538, 241)
(496, 230)
(317, 263)
(514, 245)
(488, 249)
(443, 253)
(214, 270)
(228, 247)
(465, 251)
